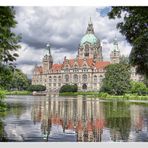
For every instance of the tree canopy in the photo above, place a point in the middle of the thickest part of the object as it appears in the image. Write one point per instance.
(117, 79)
(19, 81)
(135, 28)
(8, 39)
(138, 87)
(9, 43)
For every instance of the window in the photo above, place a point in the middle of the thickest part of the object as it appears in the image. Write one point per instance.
(55, 78)
(59, 78)
(50, 79)
(84, 78)
(75, 70)
(75, 78)
(95, 79)
(101, 78)
(85, 69)
(66, 78)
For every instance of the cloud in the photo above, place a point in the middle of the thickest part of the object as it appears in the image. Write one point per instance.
(63, 27)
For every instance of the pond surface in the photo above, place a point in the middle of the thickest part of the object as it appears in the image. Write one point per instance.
(73, 119)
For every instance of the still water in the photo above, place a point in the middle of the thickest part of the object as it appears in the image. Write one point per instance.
(73, 119)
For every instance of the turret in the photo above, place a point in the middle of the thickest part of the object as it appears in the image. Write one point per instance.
(90, 46)
(90, 29)
(115, 52)
(47, 60)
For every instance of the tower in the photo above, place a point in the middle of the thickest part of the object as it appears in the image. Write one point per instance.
(47, 61)
(115, 53)
(90, 45)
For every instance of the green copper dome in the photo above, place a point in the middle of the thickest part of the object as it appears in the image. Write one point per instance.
(89, 38)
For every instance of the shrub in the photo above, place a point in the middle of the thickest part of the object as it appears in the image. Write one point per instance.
(37, 88)
(138, 87)
(68, 88)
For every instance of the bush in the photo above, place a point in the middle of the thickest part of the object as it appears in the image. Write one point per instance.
(139, 87)
(68, 88)
(37, 88)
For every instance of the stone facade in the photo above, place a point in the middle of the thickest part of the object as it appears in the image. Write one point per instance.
(86, 70)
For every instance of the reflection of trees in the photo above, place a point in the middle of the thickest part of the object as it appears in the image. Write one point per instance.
(118, 119)
(16, 109)
(2, 133)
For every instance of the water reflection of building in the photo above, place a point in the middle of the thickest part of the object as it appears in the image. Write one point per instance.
(137, 122)
(86, 118)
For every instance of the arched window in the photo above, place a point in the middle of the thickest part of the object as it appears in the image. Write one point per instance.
(101, 78)
(75, 78)
(59, 78)
(50, 78)
(95, 79)
(55, 78)
(66, 78)
(84, 78)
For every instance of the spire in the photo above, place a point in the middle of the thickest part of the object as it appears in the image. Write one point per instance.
(90, 29)
(115, 44)
(48, 48)
(90, 22)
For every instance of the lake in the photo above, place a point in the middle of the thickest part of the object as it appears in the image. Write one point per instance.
(73, 119)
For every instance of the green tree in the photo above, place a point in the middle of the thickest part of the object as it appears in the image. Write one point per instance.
(124, 60)
(19, 80)
(138, 87)
(135, 28)
(8, 44)
(6, 75)
(117, 79)
(8, 39)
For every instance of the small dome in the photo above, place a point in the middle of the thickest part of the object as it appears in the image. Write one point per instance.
(89, 38)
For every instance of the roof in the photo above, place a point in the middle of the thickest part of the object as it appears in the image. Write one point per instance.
(39, 69)
(91, 38)
(101, 64)
(56, 67)
(90, 62)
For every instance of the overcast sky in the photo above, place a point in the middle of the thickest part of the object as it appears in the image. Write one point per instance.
(63, 27)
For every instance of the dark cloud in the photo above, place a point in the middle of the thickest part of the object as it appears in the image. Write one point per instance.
(26, 62)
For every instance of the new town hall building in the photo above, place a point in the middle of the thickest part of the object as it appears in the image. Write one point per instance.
(86, 70)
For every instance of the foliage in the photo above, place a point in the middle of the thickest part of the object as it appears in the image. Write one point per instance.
(6, 75)
(138, 87)
(117, 79)
(36, 88)
(8, 45)
(19, 80)
(2, 104)
(124, 60)
(135, 29)
(8, 39)
(68, 88)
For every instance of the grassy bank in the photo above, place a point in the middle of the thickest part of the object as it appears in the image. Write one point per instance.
(78, 93)
(106, 96)
(18, 92)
